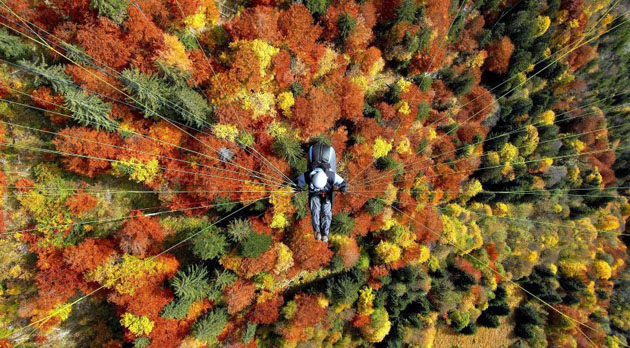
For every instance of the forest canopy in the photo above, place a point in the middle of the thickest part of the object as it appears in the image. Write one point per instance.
(149, 150)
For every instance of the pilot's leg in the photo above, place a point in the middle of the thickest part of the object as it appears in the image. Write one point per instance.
(315, 205)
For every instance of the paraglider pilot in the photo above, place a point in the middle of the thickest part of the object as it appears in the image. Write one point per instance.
(321, 179)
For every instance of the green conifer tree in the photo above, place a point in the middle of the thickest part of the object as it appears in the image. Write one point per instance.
(89, 110)
(12, 48)
(191, 284)
(191, 106)
(116, 10)
(255, 244)
(208, 327)
(209, 244)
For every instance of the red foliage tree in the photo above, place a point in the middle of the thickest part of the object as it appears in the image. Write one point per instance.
(81, 202)
(265, 263)
(307, 252)
(43, 97)
(147, 300)
(339, 139)
(203, 68)
(89, 254)
(466, 266)
(105, 42)
(145, 38)
(478, 104)
(83, 141)
(281, 65)
(428, 226)
(169, 333)
(335, 10)
(349, 253)
(300, 35)
(363, 224)
(140, 235)
(375, 276)
(184, 8)
(309, 311)
(316, 112)
(499, 54)
(239, 295)
(351, 97)
(94, 80)
(260, 22)
(386, 8)
(265, 310)
(56, 282)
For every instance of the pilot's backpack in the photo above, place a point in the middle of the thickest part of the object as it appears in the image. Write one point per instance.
(324, 157)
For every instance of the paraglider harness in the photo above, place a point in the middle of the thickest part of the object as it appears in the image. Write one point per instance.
(321, 156)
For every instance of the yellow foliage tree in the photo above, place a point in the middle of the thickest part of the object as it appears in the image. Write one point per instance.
(470, 189)
(125, 274)
(388, 252)
(572, 267)
(602, 269)
(285, 102)
(542, 24)
(529, 141)
(263, 51)
(381, 148)
(138, 325)
(365, 302)
(174, 54)
(225, 131)
(136, 170)
(465, 238)
(378, 327)
(548, 117)
(404, 147)
(607, 222)
(284, 260)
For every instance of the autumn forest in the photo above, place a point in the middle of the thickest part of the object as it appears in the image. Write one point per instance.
(149, 151)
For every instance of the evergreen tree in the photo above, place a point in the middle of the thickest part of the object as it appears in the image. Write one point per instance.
(406, 11)
(149, 92)
(346, 24)
(209, 244)
(191, 284)
(288, 148)
(224, 279)
(239, 229)
(208, 327)
(77, 54)
(53, 76)
(12, 48)
(342, 290)
(423, 111)
(176, 309)
(342, 223)
(89, 110)
(141, 342)
(300, 201)
(116, 10)
(191, 107)
(375, 206)
(255, 244)
(317, 7)
(250, 332)
(460, 84)
(488, 320)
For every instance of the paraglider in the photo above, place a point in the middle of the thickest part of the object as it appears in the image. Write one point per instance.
(321, 179)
